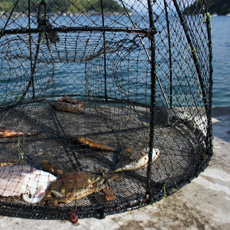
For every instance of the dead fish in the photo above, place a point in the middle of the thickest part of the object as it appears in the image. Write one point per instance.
(26, 181)
(94, 144)
(67, 107)
(133, 160)
(44, 165)
(3, 164)
(72, 101)
(4, 132)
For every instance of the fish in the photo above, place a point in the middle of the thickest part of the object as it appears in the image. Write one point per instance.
(130, 159)
(4, 132)
(72, 101)
(67, 107)
(94, 144)
(25, 181)
(3, 164)
(44, 165)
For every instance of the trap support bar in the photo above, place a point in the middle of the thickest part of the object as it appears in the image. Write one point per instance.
(146, 32)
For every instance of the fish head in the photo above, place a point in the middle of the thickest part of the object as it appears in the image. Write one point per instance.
(36, 185)
(34, 196)
(155, 153)
(50, 167)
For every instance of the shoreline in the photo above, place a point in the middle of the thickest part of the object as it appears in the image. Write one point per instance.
(78, 14)
(58, 14)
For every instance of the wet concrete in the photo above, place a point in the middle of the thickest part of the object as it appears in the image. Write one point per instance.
(203, 204)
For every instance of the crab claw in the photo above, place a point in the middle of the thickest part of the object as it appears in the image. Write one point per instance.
(73, 217)
(110, 197)
(109, 193)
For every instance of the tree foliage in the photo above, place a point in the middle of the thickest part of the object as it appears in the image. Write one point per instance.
(62, 5)
(220, 7)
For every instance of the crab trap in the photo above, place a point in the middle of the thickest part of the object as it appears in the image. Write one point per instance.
(105, 106)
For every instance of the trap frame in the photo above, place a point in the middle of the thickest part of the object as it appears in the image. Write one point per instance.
(143, 71)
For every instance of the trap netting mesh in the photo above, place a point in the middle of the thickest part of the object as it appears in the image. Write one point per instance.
(105, 106)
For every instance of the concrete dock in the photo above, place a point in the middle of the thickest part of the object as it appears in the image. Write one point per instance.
(204, 204)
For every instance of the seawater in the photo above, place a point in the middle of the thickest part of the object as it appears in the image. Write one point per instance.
(221, 60)
(61, 76)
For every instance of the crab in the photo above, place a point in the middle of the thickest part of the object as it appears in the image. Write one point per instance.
(76, 185)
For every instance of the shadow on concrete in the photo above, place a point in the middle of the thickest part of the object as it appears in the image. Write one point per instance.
(221, 121)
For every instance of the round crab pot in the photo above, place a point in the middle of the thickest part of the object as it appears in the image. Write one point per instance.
(104, 107)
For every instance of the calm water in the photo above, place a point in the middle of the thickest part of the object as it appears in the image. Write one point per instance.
(221, 66)
(221, 60)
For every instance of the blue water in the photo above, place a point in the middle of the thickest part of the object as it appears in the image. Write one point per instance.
(221, 60)
(70, 78)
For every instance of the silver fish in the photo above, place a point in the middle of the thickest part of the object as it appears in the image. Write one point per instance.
(24, 180)
(133, 160)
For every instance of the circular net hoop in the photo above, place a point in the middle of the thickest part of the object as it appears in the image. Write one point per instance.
(140, 74)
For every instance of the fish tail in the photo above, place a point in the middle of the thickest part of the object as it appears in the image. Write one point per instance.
(32, 133)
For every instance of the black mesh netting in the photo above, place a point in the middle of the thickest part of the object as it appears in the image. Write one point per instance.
(105, 106)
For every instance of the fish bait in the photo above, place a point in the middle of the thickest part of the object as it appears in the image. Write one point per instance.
(133, 160)
(72, 101)
(43, 165)
(67, 107)
(94, 144)
(26, 181)
(14, 133)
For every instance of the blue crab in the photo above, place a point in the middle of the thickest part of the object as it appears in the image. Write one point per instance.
(76, 185)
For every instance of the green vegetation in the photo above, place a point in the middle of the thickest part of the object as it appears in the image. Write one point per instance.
(220, 7)
(5, 5)
(75, 6)
(20, 152)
